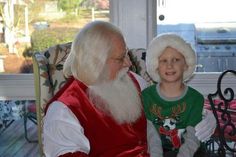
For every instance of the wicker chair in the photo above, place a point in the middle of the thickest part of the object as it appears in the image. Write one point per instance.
(49, 78)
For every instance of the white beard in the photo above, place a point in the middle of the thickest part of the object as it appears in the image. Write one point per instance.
(118, 98)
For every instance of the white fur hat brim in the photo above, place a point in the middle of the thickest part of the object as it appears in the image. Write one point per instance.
(159, 44)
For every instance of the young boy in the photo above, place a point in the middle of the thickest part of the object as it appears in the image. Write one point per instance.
(173, 107)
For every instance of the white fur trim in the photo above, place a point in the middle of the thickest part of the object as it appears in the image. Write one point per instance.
(158, 45)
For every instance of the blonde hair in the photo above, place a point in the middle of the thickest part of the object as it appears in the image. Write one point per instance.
(89, 51)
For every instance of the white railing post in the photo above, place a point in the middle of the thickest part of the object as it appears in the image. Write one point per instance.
(93, 14)
(2, 63)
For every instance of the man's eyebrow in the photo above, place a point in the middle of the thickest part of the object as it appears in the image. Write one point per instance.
(122, 55)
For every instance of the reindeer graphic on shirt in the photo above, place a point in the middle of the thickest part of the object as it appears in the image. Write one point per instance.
(168, 123)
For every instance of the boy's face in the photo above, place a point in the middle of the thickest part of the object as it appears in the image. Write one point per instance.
(171, 65)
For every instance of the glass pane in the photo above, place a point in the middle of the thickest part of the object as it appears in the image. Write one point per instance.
(208, 25)
(31, 26)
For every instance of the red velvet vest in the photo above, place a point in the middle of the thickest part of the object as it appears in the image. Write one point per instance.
(107, 138)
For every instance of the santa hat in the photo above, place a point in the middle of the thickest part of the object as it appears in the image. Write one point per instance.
(159, 44)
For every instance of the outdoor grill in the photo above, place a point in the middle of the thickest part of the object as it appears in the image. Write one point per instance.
(216, 48)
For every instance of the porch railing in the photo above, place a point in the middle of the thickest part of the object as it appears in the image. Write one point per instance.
(21, 86)
(17, 87)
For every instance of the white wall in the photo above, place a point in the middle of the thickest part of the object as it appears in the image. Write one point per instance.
(17, 87)
(207, 82)
(136, 19)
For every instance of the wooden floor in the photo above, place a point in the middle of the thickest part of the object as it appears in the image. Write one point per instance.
(13, 142)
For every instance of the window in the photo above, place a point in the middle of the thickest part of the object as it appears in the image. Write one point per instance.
(208, 25)
(32, 26)
(161, 3)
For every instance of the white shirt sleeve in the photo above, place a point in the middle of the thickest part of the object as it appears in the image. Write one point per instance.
(62, 132)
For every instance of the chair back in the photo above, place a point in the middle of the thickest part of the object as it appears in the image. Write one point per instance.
(223, 105)
(137, 58)
(48, 78)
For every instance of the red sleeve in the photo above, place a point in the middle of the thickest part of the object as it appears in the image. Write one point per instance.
(75, 154)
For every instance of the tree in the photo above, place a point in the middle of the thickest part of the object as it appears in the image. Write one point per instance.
(69, 5)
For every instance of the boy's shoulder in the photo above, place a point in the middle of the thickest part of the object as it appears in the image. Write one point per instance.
(193, 91)
(149, 88)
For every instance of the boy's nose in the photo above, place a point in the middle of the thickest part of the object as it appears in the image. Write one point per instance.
(169, 63)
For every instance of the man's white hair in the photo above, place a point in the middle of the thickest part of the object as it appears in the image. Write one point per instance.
(89, 51)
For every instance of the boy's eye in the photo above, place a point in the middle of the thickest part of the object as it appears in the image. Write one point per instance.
(176, 59)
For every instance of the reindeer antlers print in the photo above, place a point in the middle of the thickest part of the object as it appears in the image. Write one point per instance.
(157, 111)
(180, 108)
(177, 110)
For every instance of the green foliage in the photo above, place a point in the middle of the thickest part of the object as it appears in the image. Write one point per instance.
(69, 5)
(69, 18)
(34, 10)
(74, 19)
(43, 39)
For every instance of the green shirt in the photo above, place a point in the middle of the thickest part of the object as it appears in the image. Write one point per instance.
(185, 110)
